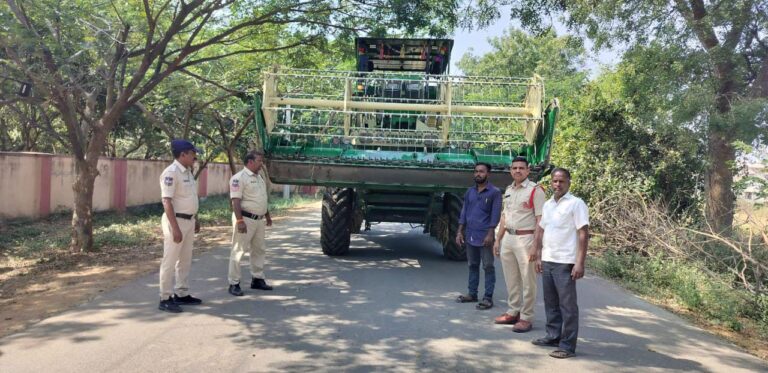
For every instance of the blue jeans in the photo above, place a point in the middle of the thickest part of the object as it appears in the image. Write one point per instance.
(474, 256)
(560, 304)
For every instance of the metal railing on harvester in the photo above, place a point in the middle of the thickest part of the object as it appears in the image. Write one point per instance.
(402, 119)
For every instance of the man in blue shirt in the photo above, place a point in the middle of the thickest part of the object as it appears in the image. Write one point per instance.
(479, 216)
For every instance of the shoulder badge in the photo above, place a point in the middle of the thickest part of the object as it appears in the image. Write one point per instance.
(168, 181)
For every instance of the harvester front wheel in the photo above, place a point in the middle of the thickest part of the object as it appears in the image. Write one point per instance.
(452, 210)
(335, 228)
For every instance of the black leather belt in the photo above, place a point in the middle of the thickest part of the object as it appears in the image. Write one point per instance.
(185, 216)
(251, 216)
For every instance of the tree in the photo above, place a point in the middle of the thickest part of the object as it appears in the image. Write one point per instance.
(558, 60)
(729, 35)
(94, 60)
(28, 126)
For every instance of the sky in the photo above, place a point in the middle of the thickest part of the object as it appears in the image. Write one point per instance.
(477, 42)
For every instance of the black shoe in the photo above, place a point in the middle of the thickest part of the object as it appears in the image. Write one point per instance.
(235, 290)
(259, 283)
(546, 342)
(168, 305)
(186, 300)
(485, 304)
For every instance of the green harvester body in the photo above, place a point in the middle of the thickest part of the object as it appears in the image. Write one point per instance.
(397, 140)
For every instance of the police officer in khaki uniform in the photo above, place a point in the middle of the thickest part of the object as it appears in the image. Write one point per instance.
(179, 192)
(523, 203)
(248, 192)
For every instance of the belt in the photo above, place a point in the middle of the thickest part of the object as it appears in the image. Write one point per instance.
(520, 232)
(251, 216)
(185, 216)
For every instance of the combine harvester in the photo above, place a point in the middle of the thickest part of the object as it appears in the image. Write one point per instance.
(396, 140)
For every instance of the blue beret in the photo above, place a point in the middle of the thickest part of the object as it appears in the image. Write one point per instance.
(183, 145)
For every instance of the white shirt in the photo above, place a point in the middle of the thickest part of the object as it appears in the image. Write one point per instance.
(178, 184)
(561, 220)
(251, 189)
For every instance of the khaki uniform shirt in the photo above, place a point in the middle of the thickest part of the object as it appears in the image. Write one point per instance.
(178, 184)
(251, 189)
(518, 214)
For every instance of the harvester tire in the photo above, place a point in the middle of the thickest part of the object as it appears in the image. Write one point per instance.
(452, 207)
(336, 224)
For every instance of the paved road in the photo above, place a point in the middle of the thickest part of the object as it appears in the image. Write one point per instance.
(388, 306)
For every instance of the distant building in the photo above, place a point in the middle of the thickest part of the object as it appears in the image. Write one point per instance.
(752, 192)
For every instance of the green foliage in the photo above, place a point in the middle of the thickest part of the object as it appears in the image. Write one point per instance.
(516, 54)
(610, 148)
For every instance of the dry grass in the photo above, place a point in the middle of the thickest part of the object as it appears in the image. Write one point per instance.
(717, 280)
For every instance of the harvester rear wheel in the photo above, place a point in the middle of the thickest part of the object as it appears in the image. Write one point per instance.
(452, 207)
(335, 228)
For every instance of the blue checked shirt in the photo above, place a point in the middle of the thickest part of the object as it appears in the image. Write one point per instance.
(481, 212)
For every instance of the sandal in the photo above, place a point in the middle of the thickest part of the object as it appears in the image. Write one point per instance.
(485, 304)
(562, 354)
(466, 299)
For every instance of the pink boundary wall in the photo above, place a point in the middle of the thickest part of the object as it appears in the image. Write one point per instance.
(33, 185)
(45, 186)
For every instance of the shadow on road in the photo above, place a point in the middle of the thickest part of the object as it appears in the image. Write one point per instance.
(388, 305)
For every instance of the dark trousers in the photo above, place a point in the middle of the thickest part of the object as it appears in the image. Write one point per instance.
(560, 304)
(476, 254)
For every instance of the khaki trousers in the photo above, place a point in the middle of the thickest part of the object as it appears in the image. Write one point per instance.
(177, 258)
(519, 274)
(252, 242)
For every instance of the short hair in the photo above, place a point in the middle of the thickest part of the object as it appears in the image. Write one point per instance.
(563, 171)
(178, 153)
(520, 159)
(487, 165)
(252, 155)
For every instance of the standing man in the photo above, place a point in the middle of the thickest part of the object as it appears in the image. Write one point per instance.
(178, 189)
(480, 216)
(523, 203)
(562, 237)
(248, 192)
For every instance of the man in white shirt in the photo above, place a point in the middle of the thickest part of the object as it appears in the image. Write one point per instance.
(562, 237)
(250, 216)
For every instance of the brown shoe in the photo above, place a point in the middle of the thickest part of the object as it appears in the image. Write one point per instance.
(522, 326)
(506, 318)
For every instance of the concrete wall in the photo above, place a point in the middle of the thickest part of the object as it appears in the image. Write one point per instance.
(19, 184)
(35, 184)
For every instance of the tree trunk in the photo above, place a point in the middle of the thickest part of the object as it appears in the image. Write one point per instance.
(231, 159)
(722, 155)
(720, 197)
(86, 172)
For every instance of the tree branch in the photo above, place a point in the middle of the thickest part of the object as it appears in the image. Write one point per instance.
(232, 92)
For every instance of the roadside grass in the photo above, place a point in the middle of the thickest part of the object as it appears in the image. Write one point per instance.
(22, 241)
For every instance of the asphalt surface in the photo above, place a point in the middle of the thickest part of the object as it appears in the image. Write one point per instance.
(387, 306)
